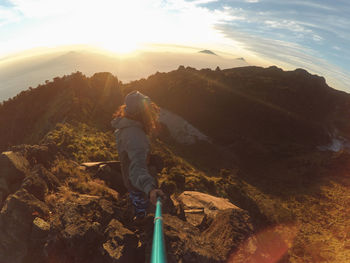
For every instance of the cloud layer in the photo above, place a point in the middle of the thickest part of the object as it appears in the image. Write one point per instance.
(310, 34)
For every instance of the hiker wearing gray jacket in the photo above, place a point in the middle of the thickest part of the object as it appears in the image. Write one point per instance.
(134, 121)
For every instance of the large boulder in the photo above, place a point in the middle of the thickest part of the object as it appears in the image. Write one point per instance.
(13, 169)
(40, 182)
(228, 230)
(121, 243)
(16, 223)
(37, 154)
(38, 240)
(184, 242)
(223, 228)
(79, 222)
(187, 243)
(110, 172)
(201, 207)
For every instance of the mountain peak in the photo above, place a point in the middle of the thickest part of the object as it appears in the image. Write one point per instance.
(209, 52)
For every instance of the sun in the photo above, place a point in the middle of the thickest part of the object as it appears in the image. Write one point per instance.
(123, 47)
(119, 26)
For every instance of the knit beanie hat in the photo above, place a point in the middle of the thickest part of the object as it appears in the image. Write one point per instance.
(135, 102)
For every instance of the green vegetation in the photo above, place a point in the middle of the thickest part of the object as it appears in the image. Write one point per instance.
(83, 143)
(74, 180)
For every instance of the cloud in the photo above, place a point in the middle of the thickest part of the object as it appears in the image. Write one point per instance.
(292, 34)
(288, 33)
(287, 25)
(8, 16)
(315, 5)
(289, 56)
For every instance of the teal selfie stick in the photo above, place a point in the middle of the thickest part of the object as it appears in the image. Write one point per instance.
(158, 245)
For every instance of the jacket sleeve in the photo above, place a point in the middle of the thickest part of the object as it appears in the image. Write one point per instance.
(138, 171)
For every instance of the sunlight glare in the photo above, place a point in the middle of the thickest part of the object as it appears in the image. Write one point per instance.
(118, 26)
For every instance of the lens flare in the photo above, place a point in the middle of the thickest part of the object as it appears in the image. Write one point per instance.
(267, 246)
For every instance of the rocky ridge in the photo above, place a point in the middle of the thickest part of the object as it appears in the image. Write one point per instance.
(43, 220)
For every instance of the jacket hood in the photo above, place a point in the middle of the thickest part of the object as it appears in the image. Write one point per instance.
(121, 123)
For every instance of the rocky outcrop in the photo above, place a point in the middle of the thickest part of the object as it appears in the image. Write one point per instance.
(44, 220)
(121, 243)
(78, 226)
(201, 207)
(188, 243)
(13, 168)
(16, 224)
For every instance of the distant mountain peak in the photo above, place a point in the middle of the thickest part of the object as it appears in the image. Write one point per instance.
(206, 51)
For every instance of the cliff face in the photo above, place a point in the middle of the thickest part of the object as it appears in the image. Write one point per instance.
(285, 197)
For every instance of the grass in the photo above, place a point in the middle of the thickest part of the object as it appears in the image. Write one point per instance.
(79, 181)
(82, 143)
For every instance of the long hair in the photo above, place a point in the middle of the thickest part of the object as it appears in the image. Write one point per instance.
(148, 117)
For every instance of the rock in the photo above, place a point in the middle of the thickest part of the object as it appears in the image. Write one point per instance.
(40, 228)
(184, 243)
(82, 240)
(86, 207)
(4, 190)
(80, 223)
(36, 186)
(200, 207)
(50, 179)
(37, 154)
(38, 240)
(16, 220)
(228, 230)
(13, 166)
(39, 182)
(109, 172)
(214, 228)
(187, 243)
(121, 243)
(13, 169)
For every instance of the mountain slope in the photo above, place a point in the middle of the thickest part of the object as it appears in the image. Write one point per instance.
(30, 115)
(265, 125)
(289, 107)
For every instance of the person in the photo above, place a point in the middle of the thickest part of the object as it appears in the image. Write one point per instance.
(135, 122)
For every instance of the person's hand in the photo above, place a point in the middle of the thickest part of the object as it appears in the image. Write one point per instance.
(153, 194)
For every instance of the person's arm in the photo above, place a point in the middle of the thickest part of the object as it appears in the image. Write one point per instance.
(138, 171)
(137, 149)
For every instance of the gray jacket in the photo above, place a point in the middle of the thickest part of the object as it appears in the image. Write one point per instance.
(133, 148)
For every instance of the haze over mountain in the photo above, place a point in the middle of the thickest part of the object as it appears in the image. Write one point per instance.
(20, 72)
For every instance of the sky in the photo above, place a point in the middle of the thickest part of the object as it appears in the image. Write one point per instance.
(309, 34)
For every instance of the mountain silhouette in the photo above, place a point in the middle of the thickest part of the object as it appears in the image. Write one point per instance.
(206, 51)
(28, 71)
